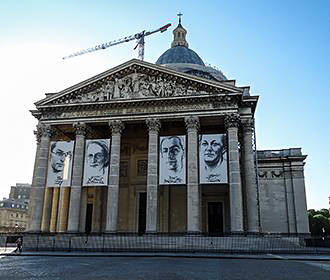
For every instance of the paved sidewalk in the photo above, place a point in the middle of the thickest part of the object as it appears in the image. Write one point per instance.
(9, 252)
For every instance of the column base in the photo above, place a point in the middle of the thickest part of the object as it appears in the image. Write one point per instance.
(254, 233)
(195, 233)
(33, 231)
(237, 233)
(110, 232)
(151, 232)
(72, 231)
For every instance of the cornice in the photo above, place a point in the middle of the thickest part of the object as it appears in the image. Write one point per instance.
(219, 101)
(141, 106)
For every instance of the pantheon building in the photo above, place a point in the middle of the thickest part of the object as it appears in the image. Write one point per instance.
(161, 147)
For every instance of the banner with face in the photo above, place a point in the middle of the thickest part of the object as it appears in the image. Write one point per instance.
(60, 164)
(213, 159)
(97, 159)
(172, 160)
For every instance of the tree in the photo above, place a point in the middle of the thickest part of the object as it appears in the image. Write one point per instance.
(318, 220)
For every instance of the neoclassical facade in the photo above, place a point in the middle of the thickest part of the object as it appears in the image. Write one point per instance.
(116, 135)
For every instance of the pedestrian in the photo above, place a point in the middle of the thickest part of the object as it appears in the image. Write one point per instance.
(19, 244)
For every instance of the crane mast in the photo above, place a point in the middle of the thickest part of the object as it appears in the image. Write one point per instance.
(138, 36)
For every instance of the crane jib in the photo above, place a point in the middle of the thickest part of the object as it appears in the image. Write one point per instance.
(138, 36)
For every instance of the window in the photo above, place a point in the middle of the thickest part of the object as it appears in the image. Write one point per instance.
(13, 205)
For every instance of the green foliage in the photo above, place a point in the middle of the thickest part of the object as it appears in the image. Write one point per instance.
(318, 220)
(324, 212)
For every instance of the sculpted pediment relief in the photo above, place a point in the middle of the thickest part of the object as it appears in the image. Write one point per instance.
(132, 82)
(131, 86)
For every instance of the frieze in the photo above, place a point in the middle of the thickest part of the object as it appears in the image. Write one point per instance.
(134, 85)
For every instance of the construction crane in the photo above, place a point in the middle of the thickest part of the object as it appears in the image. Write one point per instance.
(138, 36)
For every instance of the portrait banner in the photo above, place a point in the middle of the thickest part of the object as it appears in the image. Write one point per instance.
(60, 164)
(213, 159)
(172, 160)
(97, 158)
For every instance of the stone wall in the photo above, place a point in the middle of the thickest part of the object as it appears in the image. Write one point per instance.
(282, 195)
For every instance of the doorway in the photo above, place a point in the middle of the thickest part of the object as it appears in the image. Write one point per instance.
(142, 213)
(215, 218)
(89, 215)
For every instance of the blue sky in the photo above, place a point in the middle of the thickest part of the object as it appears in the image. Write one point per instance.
(279, 48)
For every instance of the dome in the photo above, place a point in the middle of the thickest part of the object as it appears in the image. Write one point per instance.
(180, 58)
(180, 54)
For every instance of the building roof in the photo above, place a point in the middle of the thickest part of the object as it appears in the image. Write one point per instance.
(183, 59)
(180, 54)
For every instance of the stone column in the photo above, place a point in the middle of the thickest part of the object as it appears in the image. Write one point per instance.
(43, 134)
(193, 189)
(250, 178)
(46, 213)
(152, 179)
(63, 209)
(77, 174)
(83, 209)
(116, 127)
(54, 209)
(232, 122)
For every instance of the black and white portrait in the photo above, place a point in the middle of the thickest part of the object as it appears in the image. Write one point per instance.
(172, 160)
(60, 164)
(213, 158)
(97, 158)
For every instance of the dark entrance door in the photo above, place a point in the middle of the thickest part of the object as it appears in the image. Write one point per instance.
(142, 212)
(89, 214)
(215, 218)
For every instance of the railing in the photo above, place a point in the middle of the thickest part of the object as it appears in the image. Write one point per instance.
(169, 242)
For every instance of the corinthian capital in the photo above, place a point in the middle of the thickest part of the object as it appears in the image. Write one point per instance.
(116, 126)
(153, 124)
(248, 125)
(80, 128)
(43, 130)
(37, 135)
(232, 120)
(192, 122)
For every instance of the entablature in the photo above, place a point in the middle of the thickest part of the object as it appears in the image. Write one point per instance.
(132, 108)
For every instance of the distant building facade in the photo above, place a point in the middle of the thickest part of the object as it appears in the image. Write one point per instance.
(165, 147)
(14, 211)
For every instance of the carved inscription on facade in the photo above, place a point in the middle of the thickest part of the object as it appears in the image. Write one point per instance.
(127, 111)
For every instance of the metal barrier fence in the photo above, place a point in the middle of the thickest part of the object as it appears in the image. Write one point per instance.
(171, 242)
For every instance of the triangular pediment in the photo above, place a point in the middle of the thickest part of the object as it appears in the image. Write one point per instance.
(136, 79)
